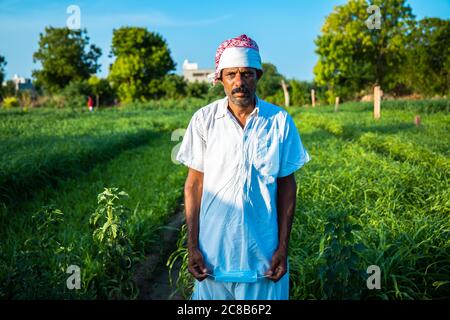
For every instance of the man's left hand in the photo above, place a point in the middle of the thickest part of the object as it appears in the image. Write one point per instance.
(278, 266)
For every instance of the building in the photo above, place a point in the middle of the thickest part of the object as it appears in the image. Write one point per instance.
(22, 83)
(192, 73)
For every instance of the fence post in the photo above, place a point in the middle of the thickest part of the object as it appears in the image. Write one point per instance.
(286, 93)
(377, 102)
(313, 98)
(336, 105)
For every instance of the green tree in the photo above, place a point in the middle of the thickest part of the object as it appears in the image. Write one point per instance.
(75, 94)
(142, 60)
(198, 89)
(173, 86)
(269, 86)
(215, 92)
(2, 74)
(354, 57)
(101, 89)
(64, 58)
(9, 90)
(427, 70)
(300, 92)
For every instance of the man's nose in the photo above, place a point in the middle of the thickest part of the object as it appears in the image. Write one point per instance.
(238, 79)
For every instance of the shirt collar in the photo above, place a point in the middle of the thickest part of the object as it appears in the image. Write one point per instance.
(222, 109)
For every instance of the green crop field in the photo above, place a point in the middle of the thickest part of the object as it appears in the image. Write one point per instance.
(95, 189)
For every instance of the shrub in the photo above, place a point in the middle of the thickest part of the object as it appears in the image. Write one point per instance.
(9, 102)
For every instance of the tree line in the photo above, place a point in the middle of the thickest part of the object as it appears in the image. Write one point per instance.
(404, 56)
(142, 71)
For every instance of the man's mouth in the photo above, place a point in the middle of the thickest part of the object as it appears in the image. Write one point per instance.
(240, 92)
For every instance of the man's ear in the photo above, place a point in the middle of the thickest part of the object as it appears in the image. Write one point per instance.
(259, 73)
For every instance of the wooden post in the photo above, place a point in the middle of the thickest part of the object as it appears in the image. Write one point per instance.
(336, 105)
(377, 102)
(286, 93)
(313, 98)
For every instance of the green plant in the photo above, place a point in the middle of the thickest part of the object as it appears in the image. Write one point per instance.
(185, 282)
(9, 102)
(339, 275)
(113, 248)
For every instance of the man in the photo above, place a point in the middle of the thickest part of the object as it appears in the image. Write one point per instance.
(240, 192)
(90, 103)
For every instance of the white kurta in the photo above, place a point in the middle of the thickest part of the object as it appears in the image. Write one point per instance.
(238, 228)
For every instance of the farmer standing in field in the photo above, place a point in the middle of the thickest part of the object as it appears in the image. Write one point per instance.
(240, 191)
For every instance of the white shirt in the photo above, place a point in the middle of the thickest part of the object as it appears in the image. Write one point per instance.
(238, 228)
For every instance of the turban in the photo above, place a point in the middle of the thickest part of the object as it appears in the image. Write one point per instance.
(241, 51)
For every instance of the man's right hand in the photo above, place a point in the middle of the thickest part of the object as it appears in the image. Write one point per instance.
(196, 265)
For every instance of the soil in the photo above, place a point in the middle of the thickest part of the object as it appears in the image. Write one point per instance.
(152, 276)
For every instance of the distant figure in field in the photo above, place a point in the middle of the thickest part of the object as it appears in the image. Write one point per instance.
(240, 191)
(90, 103)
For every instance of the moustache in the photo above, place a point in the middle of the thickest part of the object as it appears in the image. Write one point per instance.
(240, 90)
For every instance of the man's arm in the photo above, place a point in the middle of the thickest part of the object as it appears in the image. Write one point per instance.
(286, 197)
(193, 189)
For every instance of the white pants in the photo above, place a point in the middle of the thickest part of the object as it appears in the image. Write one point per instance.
(263, 289)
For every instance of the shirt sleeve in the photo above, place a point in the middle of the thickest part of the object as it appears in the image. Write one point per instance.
(293, 154)
(193, 146)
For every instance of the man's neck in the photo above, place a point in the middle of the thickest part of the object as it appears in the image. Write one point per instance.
(241, 112)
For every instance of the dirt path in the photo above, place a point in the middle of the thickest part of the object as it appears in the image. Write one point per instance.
(152, 276)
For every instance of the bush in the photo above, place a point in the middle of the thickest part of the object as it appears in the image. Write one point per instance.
(300, 92)
(27, 98)
(174, 87)
(197, 89)
(215, 92)
(75, 94)
(9, 102)
(100, 90)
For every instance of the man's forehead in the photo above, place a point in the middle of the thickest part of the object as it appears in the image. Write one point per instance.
(238, 68)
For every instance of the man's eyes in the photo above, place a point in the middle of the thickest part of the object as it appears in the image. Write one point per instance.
(243, 74)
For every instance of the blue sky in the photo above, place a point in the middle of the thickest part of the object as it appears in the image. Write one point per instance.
(284, 29)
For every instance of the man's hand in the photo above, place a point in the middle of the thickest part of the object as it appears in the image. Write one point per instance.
(286, 196)
(278, 266)
(193, 189)
(196, 265)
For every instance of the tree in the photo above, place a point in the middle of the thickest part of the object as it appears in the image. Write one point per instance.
(102, 90)
(142, 60)
(215, 92)
(2, 74)
(63, 56)
(427, 70)
(9, 89)
(353, 57)
(300, 92)
(269, 86)
(197, 89)
(74, 95)
(173, 86)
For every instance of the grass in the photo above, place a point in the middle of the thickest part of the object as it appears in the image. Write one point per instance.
(374, 193)
(43, 146)
(33, 262)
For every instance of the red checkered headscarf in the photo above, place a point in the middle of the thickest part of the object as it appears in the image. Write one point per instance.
(241, 51)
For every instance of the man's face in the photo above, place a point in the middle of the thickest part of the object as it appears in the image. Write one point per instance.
(240, 85)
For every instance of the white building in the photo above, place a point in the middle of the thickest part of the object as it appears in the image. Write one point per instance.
(22, 83)
(192, 73)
